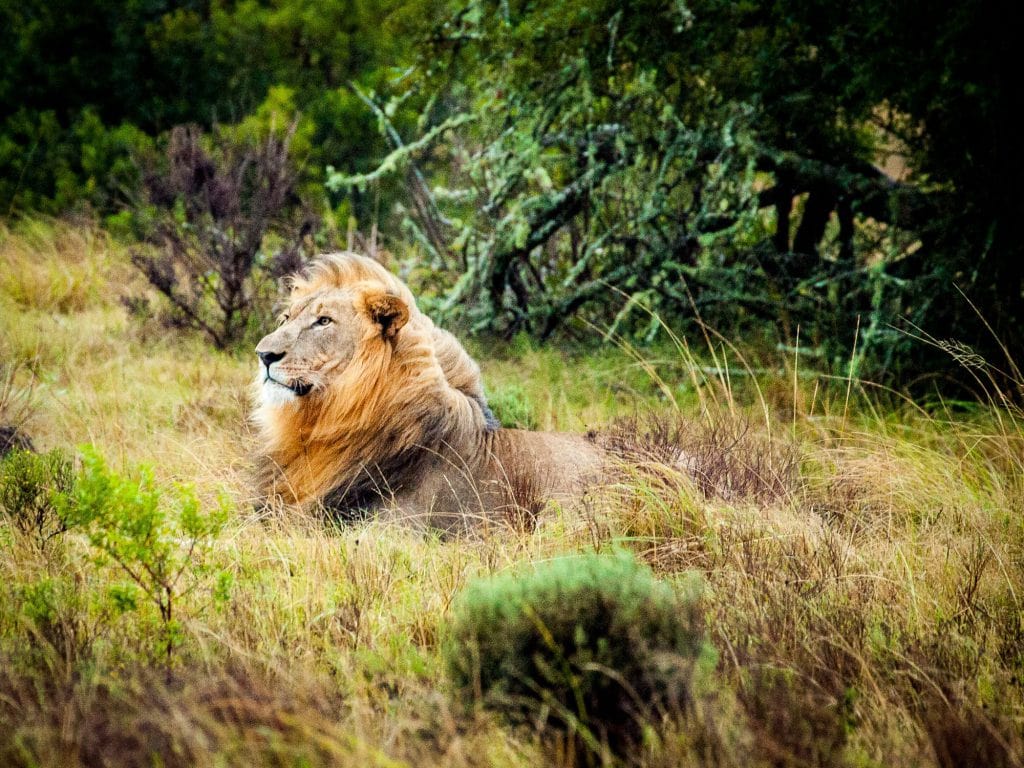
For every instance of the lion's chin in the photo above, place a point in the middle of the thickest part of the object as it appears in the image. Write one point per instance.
(273, 393)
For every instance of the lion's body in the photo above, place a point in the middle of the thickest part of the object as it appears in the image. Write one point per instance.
(367, 405)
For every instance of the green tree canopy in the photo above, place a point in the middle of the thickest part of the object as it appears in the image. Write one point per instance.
(842, 168)
(84, 85)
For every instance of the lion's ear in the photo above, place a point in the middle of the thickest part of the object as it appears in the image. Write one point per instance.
(387, 311)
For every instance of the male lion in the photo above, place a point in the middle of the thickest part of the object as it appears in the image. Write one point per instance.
(365, 406)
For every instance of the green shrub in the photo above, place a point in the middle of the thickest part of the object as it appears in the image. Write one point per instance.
(512, 407)
(30, 484)
(57, 621)
(160, 539)
(595, 644)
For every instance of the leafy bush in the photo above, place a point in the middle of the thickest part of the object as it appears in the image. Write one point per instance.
(55, 165)
(159, 540)
(594, 643)
(66, 617)
(31, 485)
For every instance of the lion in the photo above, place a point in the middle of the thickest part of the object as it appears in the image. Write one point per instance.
(366, 407)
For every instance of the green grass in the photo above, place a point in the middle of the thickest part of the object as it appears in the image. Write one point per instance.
(863, 558)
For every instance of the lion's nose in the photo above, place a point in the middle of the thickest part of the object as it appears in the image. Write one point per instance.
(269, 358)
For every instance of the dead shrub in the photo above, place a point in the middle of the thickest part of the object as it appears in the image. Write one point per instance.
(207, 216)
(726, 457)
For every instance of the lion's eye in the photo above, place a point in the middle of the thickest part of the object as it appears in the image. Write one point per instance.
(284, 319)
(324, 320)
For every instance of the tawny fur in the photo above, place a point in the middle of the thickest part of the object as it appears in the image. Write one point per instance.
(401, 426)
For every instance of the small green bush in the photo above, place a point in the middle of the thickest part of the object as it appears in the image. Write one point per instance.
(160, 538)
(30, 484)
(512, 407)
(595, 644)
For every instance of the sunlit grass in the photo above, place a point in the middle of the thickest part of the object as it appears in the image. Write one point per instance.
(56, 266)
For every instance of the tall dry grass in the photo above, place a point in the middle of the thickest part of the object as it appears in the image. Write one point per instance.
(863, 556)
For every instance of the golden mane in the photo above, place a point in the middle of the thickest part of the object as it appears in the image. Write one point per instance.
(338, 270)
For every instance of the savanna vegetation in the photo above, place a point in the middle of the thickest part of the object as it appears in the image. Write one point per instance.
(777, 239)
(837, 584)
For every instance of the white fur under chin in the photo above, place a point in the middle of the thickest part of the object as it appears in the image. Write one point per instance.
(273, 394)
(271, 397)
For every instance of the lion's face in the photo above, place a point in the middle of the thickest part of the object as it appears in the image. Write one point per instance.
(319, 335)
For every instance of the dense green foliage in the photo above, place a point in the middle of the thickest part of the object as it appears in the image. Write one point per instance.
(763, 167)
(594, 641)
(86, 86)
(836, 177)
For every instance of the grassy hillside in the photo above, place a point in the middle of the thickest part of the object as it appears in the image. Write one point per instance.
(861, 556)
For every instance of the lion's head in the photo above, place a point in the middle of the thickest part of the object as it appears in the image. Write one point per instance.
(320, 334)
(357, 378)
